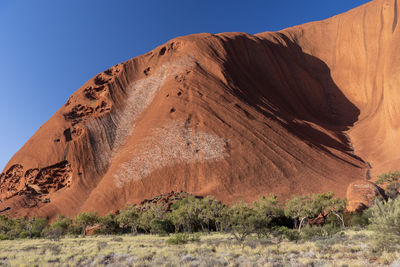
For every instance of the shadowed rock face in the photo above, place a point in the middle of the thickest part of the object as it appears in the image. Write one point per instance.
(308, 109)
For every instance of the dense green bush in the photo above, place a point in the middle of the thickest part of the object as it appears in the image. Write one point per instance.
(185, 215)
(161, 226)
(148, 213)
(35, 227)
(75, 230)
(108, 224)
(128, 219)
(288, 233)
(83, 220)
(213, 214)
(61, 224)
(21, 227)
(269, 212)
(360, 218)
(182, 238)
(193, 214)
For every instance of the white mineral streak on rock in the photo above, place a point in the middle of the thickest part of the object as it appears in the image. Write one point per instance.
(168, 145)
(142, 92)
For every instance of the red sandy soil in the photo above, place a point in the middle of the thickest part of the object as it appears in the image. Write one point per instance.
(308, 109)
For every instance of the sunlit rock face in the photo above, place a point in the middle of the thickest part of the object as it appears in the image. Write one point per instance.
(312, 108)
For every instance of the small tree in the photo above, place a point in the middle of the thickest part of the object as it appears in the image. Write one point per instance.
(321, 204)
(222, 221)
(268, 209)
(5, 226)
(59, 227)
(338, 208)
(300, 209)
(108, 224)
(128, 218)
(303, 208)
(35, 227)
(86, 219)
(211, 213)
(186, 214)
(148, 213)
(161, 226)
(243, 220)
(326, 205)
(18, 228)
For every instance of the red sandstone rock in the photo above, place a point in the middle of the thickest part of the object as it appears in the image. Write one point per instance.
(231, 115)
(361, 194)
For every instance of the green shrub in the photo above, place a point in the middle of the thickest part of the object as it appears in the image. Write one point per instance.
(269, 211)
(16, 226)
(331, 229)
(128, 219)
(158, 226)
(243, 221)
(108, 224)
(58, 228)
(182, 238)
(74, 229)
(24, 234)
(213, 215)
(309, 233)
(37, 226)
(148, 213)
(5, 224)
(385, 222)
(86, 219)
(300, 209)
(303, 208)
(4, 237)
(284, 232)
(186, 215)
(360, 219)
(193, 214)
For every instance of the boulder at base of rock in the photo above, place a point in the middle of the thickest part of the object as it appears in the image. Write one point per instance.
(361, 194)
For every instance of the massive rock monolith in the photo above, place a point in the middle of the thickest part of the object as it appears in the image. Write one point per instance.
(308, 109)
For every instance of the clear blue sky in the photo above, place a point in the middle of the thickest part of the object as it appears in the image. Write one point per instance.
(49, 48)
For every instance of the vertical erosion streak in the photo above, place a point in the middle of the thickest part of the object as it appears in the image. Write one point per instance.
(394, 17)
(366, 70)
(101, 137)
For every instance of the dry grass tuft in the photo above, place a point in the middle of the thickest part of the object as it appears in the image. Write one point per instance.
(344, 249)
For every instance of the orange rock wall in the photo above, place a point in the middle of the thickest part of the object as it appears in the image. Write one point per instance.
(309, 109)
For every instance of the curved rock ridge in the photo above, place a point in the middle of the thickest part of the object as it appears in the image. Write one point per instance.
(308, 109)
